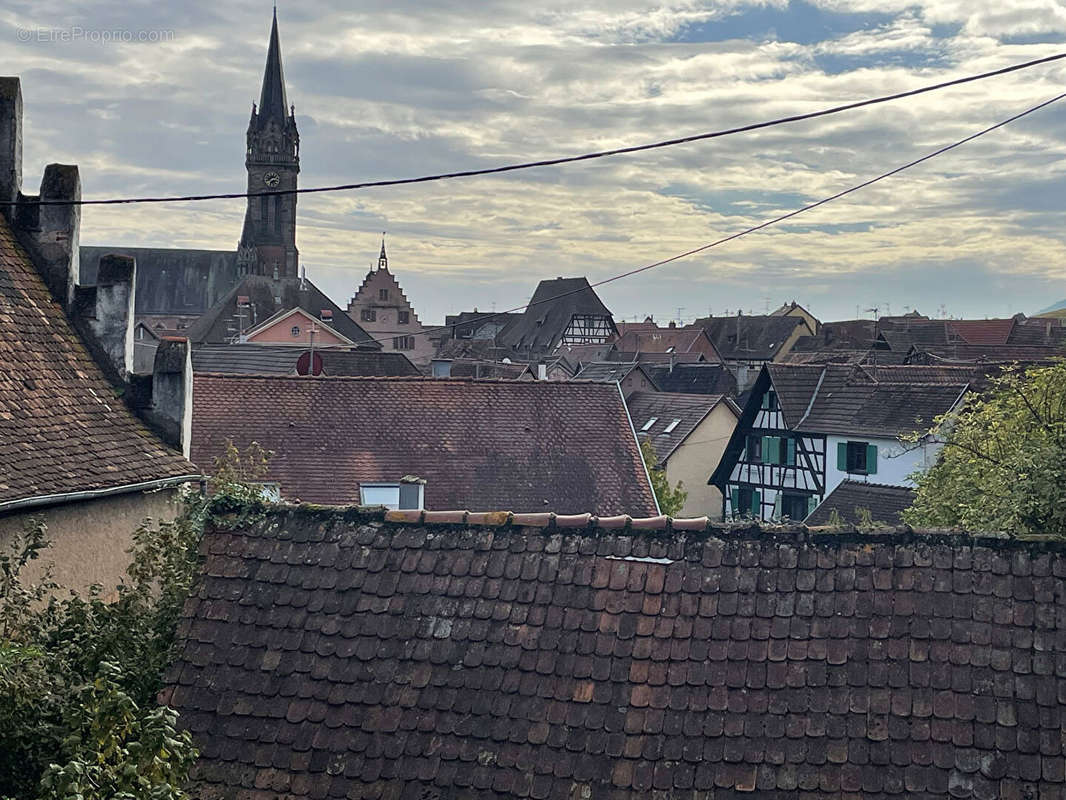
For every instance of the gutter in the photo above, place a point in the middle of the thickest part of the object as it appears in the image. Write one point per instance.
(93, 494)
(625, 405)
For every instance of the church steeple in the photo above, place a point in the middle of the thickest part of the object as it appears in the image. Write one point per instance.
(272, 158)
(273, 104)
(383, 260)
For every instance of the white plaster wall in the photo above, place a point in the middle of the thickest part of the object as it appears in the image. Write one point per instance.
(895, 462)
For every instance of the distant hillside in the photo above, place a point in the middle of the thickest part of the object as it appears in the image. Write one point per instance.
(1055, 310)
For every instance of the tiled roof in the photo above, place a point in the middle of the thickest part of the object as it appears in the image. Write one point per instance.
(553, 305)
(666, 340)
(218, 324)
(668, 408)
(62, 426)
(983, 331)
(761, 337)
(885, 503)
(525, 445)
(977, 353)
(332, 655)
(610, 371)
(693, 378)
(862, 400)
(265, 359)
(474, 368)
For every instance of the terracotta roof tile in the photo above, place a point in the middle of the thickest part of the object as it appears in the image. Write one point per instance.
(525, 446)
(401, 660)
(63, 428)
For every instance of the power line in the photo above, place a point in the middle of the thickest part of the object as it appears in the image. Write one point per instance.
(564, 159)
(746, 231)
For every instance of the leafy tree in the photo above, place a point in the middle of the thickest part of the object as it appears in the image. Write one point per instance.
(1003, 464)
(671, 499)
(79, 676)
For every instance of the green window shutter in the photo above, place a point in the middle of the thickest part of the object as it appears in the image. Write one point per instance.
(790, 459)
(871, 459)
(766, 449)
(756, 504)
(812, 503)
(842, 456)
(734, 496)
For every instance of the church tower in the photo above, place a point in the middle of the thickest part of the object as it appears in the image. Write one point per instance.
(268, 240)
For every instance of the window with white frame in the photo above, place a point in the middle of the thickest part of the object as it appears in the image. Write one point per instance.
(392, 495)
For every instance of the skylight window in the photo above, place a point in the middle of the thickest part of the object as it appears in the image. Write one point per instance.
(649, 423)
(673, 424)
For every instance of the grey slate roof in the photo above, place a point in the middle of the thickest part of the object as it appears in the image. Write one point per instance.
(885, 503)
(761, 337)
(665, 407)
(608, 371)
(713, 379)
(170, 281)
(554, 303)
(217, 324)
(265, 359)
(856, 400)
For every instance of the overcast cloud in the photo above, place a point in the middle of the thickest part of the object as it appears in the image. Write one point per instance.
(403, 88)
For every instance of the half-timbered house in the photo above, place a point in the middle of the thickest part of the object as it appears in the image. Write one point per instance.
(806, 428)
(564, 312)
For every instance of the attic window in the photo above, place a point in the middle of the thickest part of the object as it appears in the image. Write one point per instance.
(295, 331)
(326, 314)
(673, 424)
(670, 349)
(649, 423)
(392, 495)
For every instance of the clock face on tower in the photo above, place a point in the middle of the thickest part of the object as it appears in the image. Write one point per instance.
(271, 179)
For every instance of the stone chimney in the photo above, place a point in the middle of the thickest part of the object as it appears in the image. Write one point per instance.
(171, 412)
(48, 232)
(106, 310)
(10, 142)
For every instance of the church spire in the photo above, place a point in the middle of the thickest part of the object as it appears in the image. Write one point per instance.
(383, 260)
(273, 104)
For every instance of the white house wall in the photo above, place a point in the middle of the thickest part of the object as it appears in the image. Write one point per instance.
(895, 462)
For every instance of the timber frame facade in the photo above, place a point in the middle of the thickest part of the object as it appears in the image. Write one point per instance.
(773, 472)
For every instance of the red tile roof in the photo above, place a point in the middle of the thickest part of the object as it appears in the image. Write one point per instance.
(63, 428)
(522, 445)
(327, 654)
(983, 331)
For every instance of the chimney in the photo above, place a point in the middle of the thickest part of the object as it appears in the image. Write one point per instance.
(171, 412)
(48, 232)
(106, 311)
(10, 143)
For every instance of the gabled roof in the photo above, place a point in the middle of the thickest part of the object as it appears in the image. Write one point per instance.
(848, 400)
(885, 503)
(521, 445)
(218, 324)
(668, 340)
(302, 315)
(663, 409)
(466, 324)
(711, 379)
(325, 653)
(553, 306)
(611, 371)
(983, 331)
(265, 359)
(63, 428)
(761, 337)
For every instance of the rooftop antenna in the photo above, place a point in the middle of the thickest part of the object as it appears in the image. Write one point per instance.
(766, 304)
(873, 310)
(679, 310)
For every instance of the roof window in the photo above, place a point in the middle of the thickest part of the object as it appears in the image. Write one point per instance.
(673, 424)
(649, 423)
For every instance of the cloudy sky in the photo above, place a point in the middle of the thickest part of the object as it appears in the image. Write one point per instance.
(403, 88)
